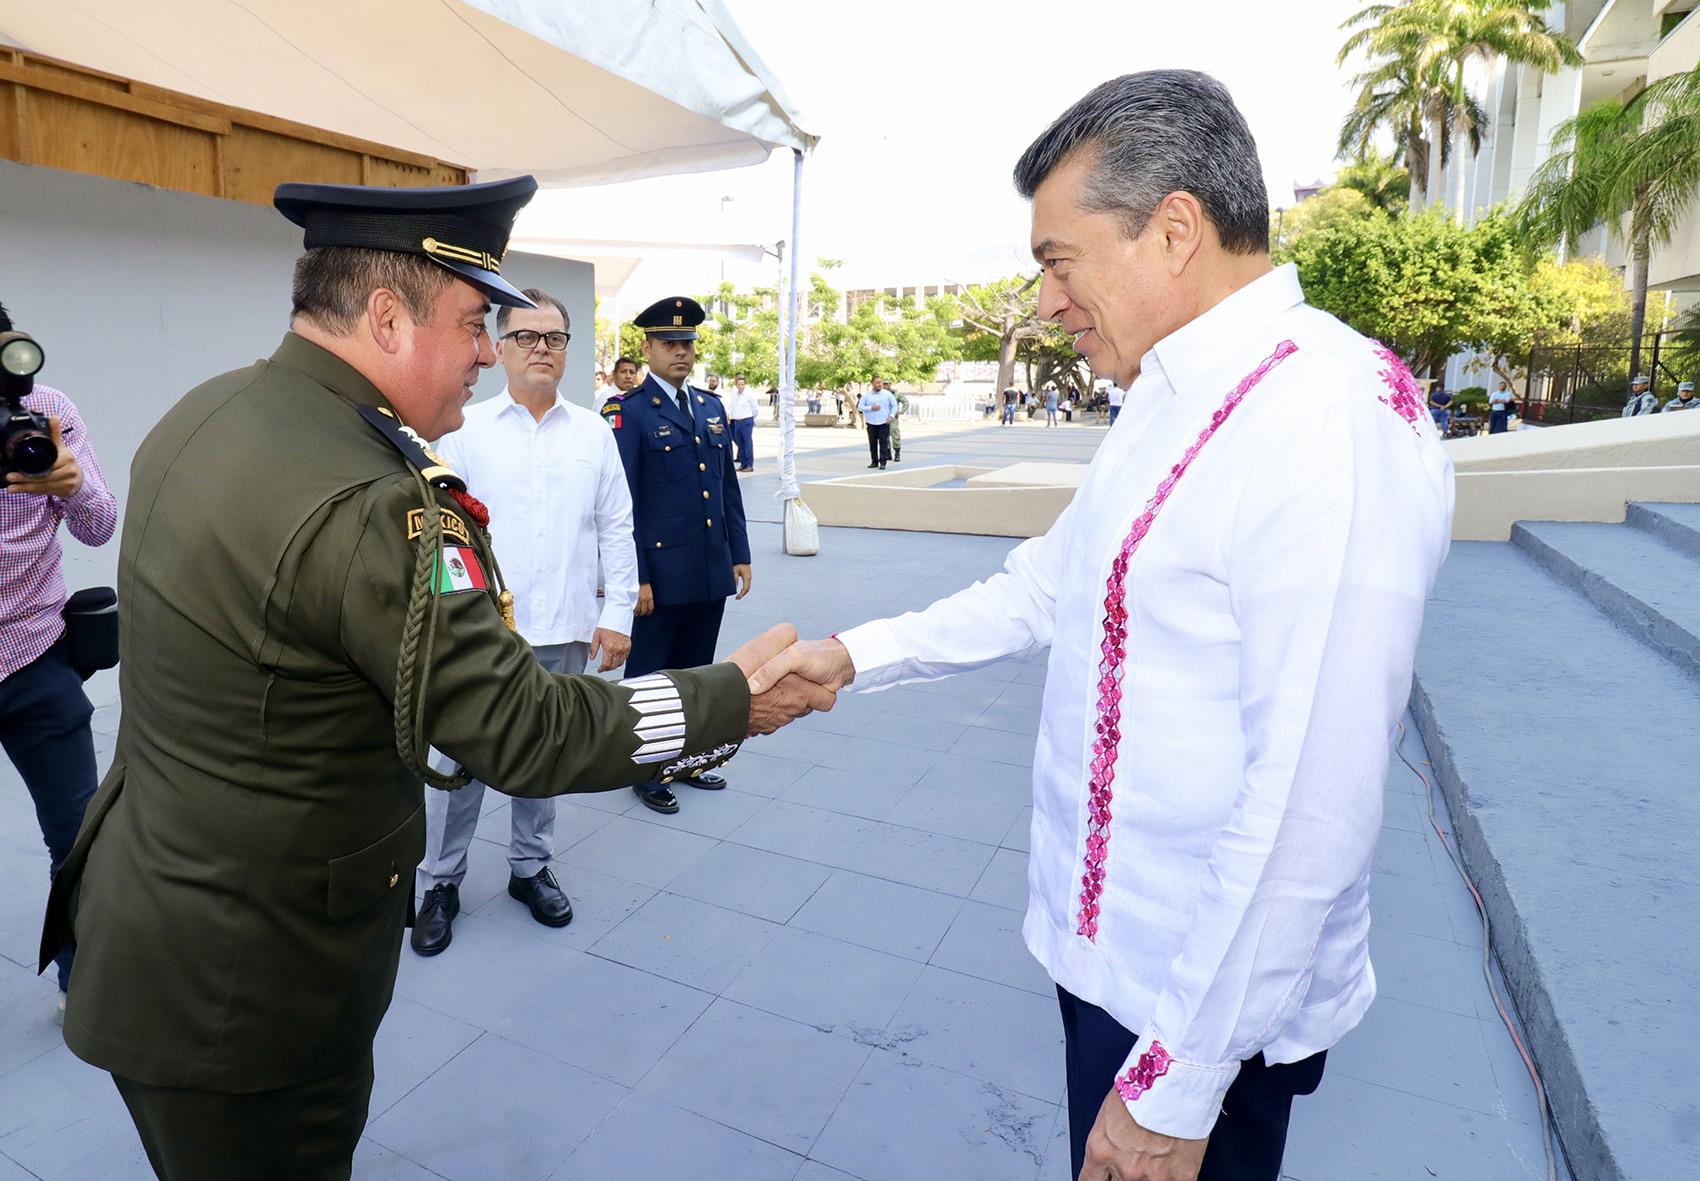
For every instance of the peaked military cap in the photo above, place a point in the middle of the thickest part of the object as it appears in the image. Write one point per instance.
(462, 227)
(673, 318)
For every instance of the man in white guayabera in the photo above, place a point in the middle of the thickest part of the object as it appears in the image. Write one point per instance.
(1232, 604)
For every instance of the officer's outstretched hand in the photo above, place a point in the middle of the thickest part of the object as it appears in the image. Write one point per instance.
(825, 662)
(783, 699)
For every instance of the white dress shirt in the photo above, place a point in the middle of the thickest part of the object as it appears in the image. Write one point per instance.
(558, 500)
(1298, 505)
(739, 405)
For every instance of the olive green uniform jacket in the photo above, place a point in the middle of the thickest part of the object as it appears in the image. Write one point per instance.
(240, 886)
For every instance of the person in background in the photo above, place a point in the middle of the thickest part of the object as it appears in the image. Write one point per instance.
(878, 407)
(550, 474)
(1684, 400)
(740, 402)
(44, 713)
(1500, 404)
(1011, 399)
(1440, 409)
(902, 401)
(625, 379)
(1114, 396)
(1641, 399)
(1050, 406)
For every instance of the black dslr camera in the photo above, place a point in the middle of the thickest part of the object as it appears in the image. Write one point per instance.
(26, 438)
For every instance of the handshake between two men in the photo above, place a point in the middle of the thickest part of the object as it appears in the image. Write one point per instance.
(789, 677)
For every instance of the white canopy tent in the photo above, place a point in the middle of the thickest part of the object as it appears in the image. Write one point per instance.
(573, 92)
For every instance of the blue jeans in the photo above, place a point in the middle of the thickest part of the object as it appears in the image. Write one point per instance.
(44, 728)
(744, 441)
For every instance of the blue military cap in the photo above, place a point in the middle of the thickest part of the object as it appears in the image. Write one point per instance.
(673, 318)
(462, 227)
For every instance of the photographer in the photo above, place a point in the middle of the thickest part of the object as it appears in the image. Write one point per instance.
(44, 713)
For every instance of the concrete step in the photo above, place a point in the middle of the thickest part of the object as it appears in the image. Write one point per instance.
(1676, 524)
(1647, 586)
(1569, 756)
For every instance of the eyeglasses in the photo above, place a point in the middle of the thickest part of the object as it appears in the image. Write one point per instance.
(525, 338)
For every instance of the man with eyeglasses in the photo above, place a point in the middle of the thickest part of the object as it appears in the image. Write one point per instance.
(552, 478)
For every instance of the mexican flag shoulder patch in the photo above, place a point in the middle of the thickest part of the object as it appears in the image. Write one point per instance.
(459, 570)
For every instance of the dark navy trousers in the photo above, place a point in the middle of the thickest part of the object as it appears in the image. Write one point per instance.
(679, 636)
(44, 728)
(1250, 1136)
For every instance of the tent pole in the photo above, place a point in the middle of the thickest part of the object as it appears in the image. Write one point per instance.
(788, 321)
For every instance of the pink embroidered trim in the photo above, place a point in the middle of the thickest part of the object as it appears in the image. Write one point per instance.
(1405, 395)
(1110, 668)
(1152, 1065)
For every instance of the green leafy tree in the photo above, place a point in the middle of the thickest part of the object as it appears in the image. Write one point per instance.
(1634, 165)
(1423, 284)
(906, 345)
(997, 318)
(741, 335)
(1380, 180)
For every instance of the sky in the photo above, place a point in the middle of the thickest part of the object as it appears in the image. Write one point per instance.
(923, 108)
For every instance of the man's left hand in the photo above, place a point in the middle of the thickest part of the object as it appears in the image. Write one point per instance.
(1118, 1149)
(65, 479)
(613, 646)
(745, 579)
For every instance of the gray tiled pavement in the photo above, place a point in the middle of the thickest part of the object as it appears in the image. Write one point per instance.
(814, 975)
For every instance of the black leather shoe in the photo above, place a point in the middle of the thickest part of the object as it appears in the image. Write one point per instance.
(543, 894)
(708, 781)
(897, 456)
(873, 465)
(433, 926)
(657, 797)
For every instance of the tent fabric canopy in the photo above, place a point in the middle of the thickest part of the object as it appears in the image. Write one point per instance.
(573, 93)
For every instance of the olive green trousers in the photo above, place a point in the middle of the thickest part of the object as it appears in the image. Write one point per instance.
(305, 1132)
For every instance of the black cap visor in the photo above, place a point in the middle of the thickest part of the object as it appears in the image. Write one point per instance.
(489, 282)
(671, 333)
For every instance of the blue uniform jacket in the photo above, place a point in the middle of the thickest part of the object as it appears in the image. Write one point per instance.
(687, 511)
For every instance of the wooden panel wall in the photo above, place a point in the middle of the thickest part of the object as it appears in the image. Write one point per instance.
(60, 115)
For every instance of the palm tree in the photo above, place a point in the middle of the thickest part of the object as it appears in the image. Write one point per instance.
(1395, 95)
(1638, 159)
(1433, 42)
(1381, 180)
(1396, 108)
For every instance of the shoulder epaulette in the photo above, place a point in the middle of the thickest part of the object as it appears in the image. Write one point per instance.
(413, 449)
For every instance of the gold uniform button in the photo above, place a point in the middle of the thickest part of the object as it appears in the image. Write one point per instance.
(394, 878)
(709, 522)
(658, 545)
(702, 467)
(705, 495)
(667, 447)
(699, 438)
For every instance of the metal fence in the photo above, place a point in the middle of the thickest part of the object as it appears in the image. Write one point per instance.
(1582, 382)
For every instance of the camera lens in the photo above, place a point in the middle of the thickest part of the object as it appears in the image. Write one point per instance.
(32, 454)
(21, 357)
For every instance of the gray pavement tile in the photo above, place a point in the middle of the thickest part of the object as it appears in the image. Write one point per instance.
(754, 881)
(27, 1028)
(848, 715)
(908, 730)
(412, 1043)
(1024, 696)
(1356, 1131)
(616, 802)
(762, 774)
(973, 816)
(1059, 1163)
(991, 1032)
(903, 1119)
(646, 1138)
(1432, 972)
(687, 941)
(487, 874)
(1006, 781)
(115, 1162)
(10, 1170)
(908, 855)
(1401, 905)
(805, 746)
(879, 761)
(1020, 834)
(1452, 1068)
(980, 687)
(836, 987)
(60, 1112)
(484, 973)
(886, 916)
(1004, 882)
(1404, 853)
(1000, 746)
(1010, 716)
(1032, 675)
(573, 821)
(600, 903)
(905, 702)
(23, 880)
(517, 1114)
(638, 852)
(707, 813)
(812, 1170)
(869, 794)
(374, 1162)
(774, 1078)
(985, 941)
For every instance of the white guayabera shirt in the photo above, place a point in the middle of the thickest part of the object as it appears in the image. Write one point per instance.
(558, 500)
(1232, 604)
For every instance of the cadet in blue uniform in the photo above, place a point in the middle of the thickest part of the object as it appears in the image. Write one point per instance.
(687, 512)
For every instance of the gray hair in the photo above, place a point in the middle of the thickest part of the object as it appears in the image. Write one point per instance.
(332, 284)
(1156, 133)
(539, 297)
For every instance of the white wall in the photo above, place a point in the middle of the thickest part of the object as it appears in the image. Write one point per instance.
(139, 294)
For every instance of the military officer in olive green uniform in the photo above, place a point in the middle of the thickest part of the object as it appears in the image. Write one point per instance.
(310, 603)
